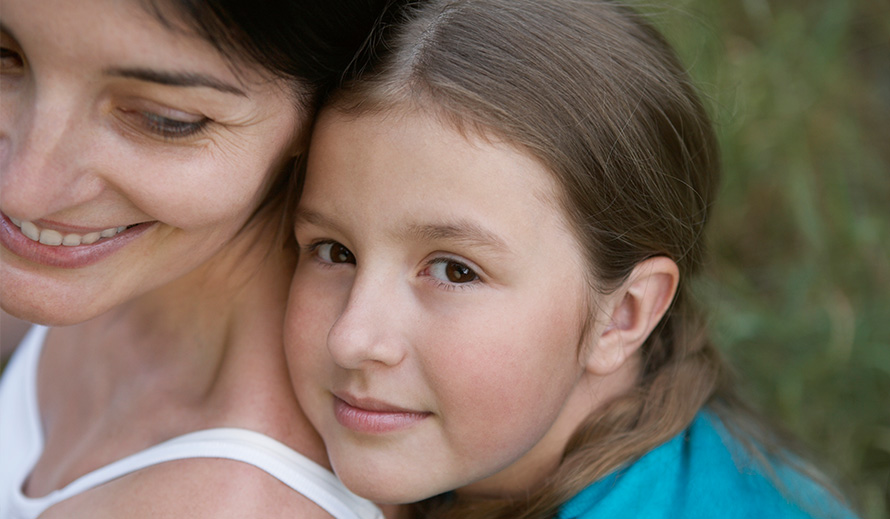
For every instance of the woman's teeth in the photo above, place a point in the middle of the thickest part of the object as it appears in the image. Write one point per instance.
(52, 237)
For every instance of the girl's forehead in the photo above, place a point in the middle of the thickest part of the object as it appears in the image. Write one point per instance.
(426, 174)
(423, 136)
(425, 133)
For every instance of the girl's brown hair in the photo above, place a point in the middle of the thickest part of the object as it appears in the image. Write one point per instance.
(595, 93)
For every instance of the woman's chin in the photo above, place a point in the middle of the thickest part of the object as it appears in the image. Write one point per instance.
(39, 300)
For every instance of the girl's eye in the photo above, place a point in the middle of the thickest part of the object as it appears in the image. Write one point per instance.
(450, 271)
(11, 62)
(333, 252)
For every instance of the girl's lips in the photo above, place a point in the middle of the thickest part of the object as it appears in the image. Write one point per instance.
(89, 251)
(374, 417)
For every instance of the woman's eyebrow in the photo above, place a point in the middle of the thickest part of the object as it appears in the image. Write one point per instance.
(180, 79)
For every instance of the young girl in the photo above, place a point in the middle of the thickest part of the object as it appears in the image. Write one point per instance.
(491, 311)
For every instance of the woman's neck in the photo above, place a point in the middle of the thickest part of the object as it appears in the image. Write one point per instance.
(201, 352)
(191, 319)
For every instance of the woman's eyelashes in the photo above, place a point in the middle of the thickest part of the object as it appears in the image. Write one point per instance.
(178, 127)
(173, 128)
(141, 115)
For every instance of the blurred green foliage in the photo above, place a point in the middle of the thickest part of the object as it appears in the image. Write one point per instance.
(799, 280)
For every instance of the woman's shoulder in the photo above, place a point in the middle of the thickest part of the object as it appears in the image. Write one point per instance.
(224, 472)
(707, 472)
(195, 488)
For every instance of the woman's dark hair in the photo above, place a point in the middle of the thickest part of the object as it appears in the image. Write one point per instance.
(306, 43)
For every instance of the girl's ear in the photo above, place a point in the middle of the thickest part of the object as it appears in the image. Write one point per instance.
(632, 313)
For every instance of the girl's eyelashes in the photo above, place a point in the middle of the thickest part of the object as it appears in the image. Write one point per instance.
(331, 252)
(446, 272)
(11, 62)
(451, 272)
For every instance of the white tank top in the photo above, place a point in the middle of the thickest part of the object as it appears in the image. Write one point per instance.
(21, 443)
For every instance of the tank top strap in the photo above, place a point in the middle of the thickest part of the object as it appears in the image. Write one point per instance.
(278, 460)
(22, 439)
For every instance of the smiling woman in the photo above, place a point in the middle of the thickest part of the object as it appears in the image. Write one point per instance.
(85, 114)
(142, 150)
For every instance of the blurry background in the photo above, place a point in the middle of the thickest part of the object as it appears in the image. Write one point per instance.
(799, 281)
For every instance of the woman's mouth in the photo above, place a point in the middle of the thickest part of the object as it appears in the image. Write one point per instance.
(65, 246)
(55, 238)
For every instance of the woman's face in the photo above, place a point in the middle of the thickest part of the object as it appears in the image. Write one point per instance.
(131, 153)
(435, 322)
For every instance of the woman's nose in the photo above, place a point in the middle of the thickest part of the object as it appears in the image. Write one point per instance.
(371, 330)
(44, 158)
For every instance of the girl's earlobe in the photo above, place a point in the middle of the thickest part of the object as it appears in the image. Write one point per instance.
(637, 308)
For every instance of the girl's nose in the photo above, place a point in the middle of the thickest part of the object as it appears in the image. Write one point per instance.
(370, 330)
(45, 166)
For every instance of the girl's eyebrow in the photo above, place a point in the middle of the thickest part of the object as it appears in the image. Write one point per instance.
(461, 231)
(179, 79)
(306, 216)
(4, 29)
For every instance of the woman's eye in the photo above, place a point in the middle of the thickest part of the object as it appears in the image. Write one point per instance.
(11, 62)
(166, 123)
(333, 252)
(451, 271)
(172, 128)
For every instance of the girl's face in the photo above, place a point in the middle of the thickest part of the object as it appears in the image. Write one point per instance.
(131, 153)
(435, 324)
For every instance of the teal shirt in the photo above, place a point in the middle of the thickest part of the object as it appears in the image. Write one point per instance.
(703, 473)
